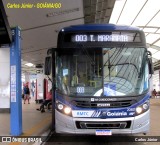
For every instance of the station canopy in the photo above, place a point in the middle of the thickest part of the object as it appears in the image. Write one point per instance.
(144, 14)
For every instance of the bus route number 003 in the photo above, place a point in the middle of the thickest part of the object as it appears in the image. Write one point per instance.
(80, 89)
(81, 38)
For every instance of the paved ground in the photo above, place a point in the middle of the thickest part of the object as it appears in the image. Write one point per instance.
(93, 140)
(34, 122)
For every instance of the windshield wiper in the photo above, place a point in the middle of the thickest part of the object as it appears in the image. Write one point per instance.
(114, 59)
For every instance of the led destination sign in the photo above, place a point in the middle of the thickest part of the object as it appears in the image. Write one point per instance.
(100, 38)
(103, 37)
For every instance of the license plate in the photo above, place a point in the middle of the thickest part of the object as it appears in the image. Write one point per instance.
(103, 132)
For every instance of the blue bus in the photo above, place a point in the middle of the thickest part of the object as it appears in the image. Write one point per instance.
(101, 80)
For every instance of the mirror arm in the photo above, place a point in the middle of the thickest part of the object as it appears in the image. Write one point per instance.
(51, 50)
(150, 64)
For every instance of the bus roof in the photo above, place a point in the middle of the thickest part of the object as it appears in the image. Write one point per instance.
(110, 27)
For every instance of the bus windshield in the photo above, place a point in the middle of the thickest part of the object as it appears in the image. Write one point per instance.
(102, 72)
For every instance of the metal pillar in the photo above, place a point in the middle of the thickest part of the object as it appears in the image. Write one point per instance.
(15, 84)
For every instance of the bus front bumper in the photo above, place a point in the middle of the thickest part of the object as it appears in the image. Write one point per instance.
(65, 124)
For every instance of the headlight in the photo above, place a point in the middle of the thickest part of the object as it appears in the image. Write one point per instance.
(60, 106)
(139, 110)
(63, 108)
(145, 106)
(142, 108)
(67, 110)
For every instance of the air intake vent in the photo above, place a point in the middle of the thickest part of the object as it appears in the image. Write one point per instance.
(103, 125)
(113, 104)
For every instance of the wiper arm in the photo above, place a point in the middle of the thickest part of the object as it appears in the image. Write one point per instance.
(122, 64)
(119, 51)
(109, 62)
(109, 66)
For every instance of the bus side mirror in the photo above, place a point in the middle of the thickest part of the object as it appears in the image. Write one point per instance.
(47, 67)
(150, 64)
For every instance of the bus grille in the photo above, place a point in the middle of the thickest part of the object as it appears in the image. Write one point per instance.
(114, 104)
(103, 125)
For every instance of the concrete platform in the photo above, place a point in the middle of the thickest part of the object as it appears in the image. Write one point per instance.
(35, 123)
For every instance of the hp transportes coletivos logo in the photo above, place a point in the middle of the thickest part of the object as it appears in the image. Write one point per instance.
(102, 99)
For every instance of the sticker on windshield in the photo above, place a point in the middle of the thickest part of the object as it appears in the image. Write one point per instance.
(109, 89)
(80, 90)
